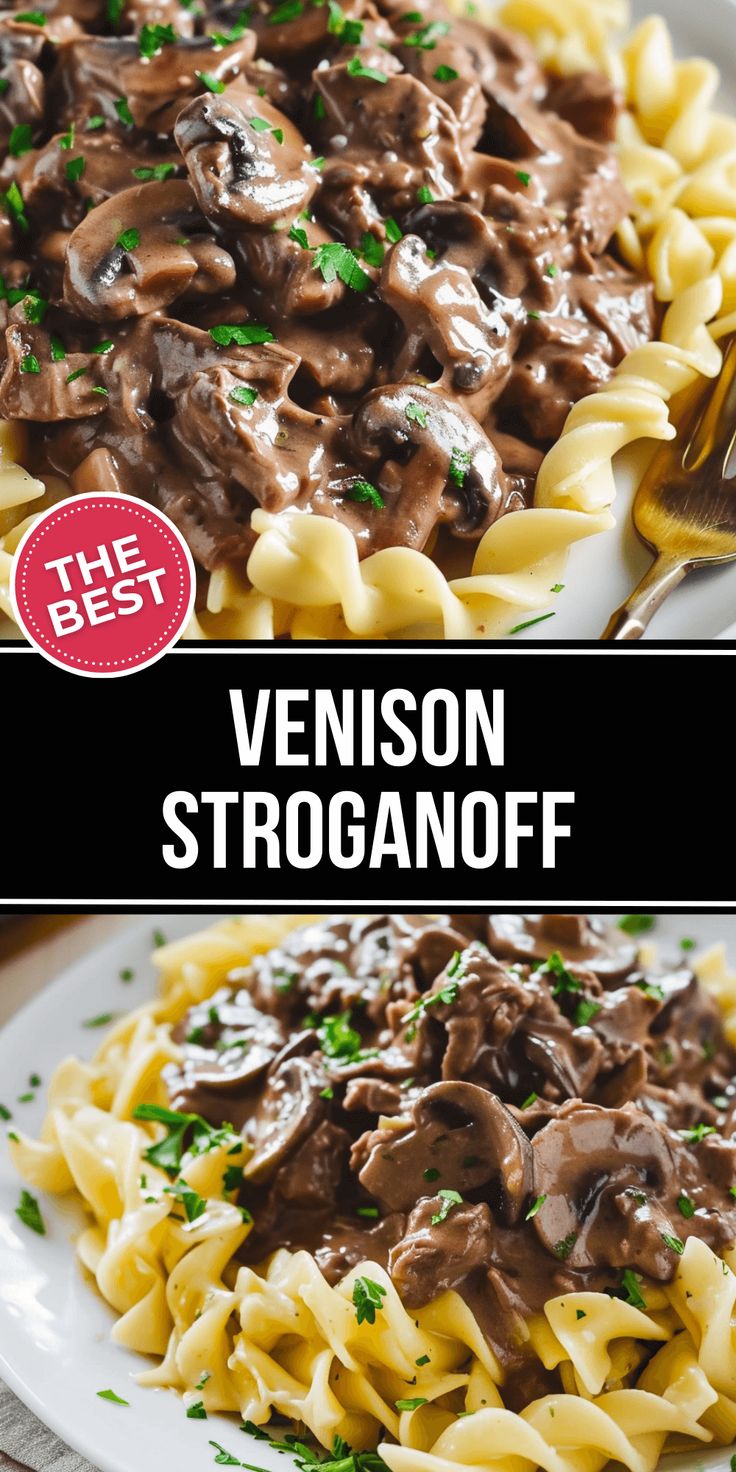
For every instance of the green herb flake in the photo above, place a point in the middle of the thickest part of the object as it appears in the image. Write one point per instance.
(111, 1396)
(5, 1112)
(393, 232)
(530, 1099)
(523, 177)
(585, 1012)
(431, 1173)
(362, 490)
(15, 205)
(129, 239)
(411, 1405)
(318, 107)
(31, 17)
(335, 260)
(367, 1211)
(124, 112)
(243, 395)
(78, 373)
(675, 1243)
(564, 981)
(151, 39)
(74, 169)
(94, 123)
(158, 171)
(286, 12)
(564, 1247)
(445, 74)
(197, 1412)
(426, 39)
(211, 82)
(29, 1212)
(423, 1360)
(580, 1313)
(636, 924)
(20, 140)
(355, 68)
(103, 1018)
(425, 195)
(687, 943)
(372, 250)
(535, 1207)
(194, 1204)
(449, 1199)
(698, 1133)
(518, 628)
(367, 1299)
(416, 414)
(327, 1093)
(685, 1206)
(202, 1381)
(242, 334)
(30, 364)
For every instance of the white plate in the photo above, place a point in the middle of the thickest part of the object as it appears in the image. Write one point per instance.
(55, 1350)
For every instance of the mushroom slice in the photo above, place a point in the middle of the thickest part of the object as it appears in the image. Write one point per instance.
(129, 256)
(463, 1138)
(582, 941)
(289, 1110)
(586, 1162)
(248, 164)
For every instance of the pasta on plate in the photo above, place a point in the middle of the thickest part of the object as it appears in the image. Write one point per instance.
(565, 1362)
(301, 575)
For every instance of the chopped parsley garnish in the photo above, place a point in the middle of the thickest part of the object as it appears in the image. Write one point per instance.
(236, 33)
(431, 1173)
(685, 1206)
(651, 989)
(393, 232)
(197, 1412)
(185, 1134)
(157, 171)
(580, 1313)
(243, 395)
(78, 373)
(362, 490)
(318, 107)
(423, 1360)
(585, 1012)
(16, 207)
(535, 316)
(29, 1212)
(732, 1191)
(124, 112)
(243, 334)
(106, 346)
(32, 17)
(687, 943)
(233, 1178)
(26, 1098)
(564, 1247)
(66, 140)
(675, 1243)
(339, 1040)
(416, 414)
(114, 10)
(557, 587)
(151, 38)
(445, 74)
(224, 1458)
(372, 250)
(517, 629)
(355, 68)
(698, 1133)
(449, 1199)
(367, 1299)
(534, 1208)
(523, 177)
(299, 234)
(202, 1381)
(339, 24)
(630, 1282)
(551, 271)
(117, 1400)
(564, 981)
(454, 967)
(94, 123)
(75, 168)
(327, 1093)
(4, 85)
(335, 260)
(35, 1081)
(211, 82)
(530, 1099)
(636, 924)
(446, 995)
(30, 364)
(20, 140)
(425, 195)
(411, 1405)
(426, 39)
(367, 1211)
(5, 1112)
(194, 1204)
(289, 10)
(259, 125)
(103, 1018)
(459, 465)
(129, 239)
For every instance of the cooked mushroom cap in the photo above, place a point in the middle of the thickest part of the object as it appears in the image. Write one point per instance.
(134, 253)
(601, 948)
(463, 1138)
(289, 1109)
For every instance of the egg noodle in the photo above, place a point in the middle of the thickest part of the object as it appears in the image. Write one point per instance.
(279, 1340)
(678, 160)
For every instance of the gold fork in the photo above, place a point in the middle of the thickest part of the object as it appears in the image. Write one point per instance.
(685, 507)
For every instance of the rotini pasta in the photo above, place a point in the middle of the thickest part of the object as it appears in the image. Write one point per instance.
(277, 1339)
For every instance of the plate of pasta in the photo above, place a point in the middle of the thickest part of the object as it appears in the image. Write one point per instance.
(367, 300)
(400, 1192)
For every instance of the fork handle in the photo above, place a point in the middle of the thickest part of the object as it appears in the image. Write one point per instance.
(631, 619)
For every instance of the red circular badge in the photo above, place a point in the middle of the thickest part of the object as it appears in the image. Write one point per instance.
(103, 585)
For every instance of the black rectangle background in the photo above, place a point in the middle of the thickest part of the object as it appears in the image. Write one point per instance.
(638, 738)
